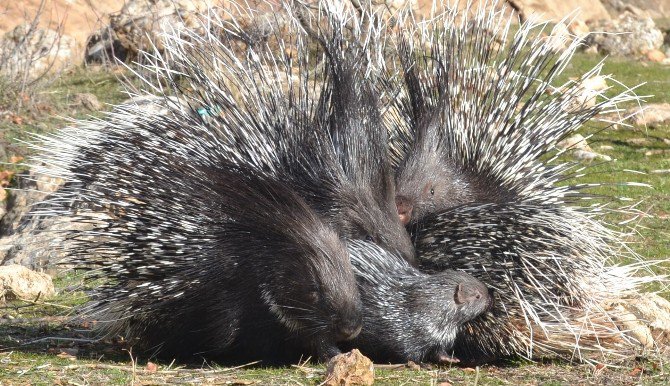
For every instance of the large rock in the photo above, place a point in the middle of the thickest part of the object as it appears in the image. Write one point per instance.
(31, 188)
(650, 114)
(558, 9)
(425, 7)
(644, 317)
(627, 35)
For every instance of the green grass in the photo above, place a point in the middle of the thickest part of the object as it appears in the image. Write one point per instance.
(54, 361)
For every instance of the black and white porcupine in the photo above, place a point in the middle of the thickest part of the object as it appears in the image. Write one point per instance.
(211, 260)
(212, 247)
(480, 185)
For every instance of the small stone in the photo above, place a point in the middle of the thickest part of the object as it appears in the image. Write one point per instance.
(638, 141)
(578, 28)
(585, 155)
(576, 141)
(650, 114)
(655, 56)
(18, 282)
(352, 368)
(88, 101)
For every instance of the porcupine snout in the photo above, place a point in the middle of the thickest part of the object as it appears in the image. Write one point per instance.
(404, 206)
(474, 293)
(349, 323)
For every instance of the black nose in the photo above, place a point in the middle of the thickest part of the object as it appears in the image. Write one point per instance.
(347, 329)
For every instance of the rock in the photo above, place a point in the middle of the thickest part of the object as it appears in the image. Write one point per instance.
(31, 188)
(580, 149)
(3, 207)
(576, 141)
(352, 368)
(139, 23)
(558, 9)
(152, 104)
(34, 49)
(584, 95)
(563, 34)
(632, 327)
(579, 28)
(655, 56)
(394, 5)
(627, 35)
(649, 114)
(585, 155)
(654, 9)
(638, 141)
(104, 47)
(648, 317)
(87, 100)
(18, 282)
(40, 243)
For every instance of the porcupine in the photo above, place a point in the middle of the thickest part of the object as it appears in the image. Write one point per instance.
(244, 254)
(409, 315)
(140, 181)
(480, 190)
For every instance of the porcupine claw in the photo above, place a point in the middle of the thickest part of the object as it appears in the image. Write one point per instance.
(447, 359)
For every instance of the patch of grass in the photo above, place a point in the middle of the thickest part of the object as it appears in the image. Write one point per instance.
(56, 105)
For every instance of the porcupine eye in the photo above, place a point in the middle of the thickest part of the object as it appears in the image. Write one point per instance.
(369, 238)
(432, 191)
(313, 296)
(312, 293)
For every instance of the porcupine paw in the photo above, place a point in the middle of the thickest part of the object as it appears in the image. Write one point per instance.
(444, 359)
(325, 349)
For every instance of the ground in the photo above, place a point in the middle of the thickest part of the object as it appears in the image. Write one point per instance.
(38, 347)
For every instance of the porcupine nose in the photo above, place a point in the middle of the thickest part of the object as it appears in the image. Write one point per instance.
(472, 292)
(404, 207)
(348, 328)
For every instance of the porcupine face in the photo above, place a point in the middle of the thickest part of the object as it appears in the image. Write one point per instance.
(318, 294)
(370, 218)
(427, 182)
(439, 305)
(410, 315)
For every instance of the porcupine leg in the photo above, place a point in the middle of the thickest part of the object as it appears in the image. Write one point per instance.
(324, 348)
